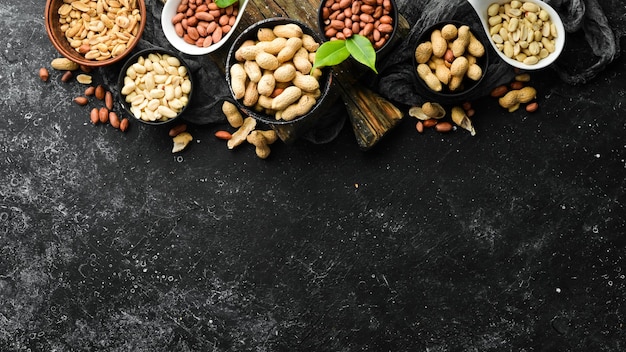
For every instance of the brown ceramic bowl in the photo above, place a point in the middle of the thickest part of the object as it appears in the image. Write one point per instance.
(62, 44)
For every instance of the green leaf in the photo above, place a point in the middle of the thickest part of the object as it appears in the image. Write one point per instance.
(224, 3)
(331, 53)
(362, 50)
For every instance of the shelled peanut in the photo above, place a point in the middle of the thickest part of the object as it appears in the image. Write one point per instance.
(370, 18)
(157, 87)
(273, 72)
(449, 57)
(100, 30)
(202, 22)
(523, 31)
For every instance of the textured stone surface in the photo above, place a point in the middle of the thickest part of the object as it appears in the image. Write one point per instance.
(512, 240)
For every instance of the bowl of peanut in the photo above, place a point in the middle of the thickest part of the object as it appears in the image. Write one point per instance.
(376, 20)
(450, 61)
(270, 76)
(526, 34)
(95, 34)
(200, 27)
(155, 86)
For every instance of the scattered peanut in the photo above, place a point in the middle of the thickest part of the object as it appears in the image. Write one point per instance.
(83, 79)
(94, 116)
(514, 98)
(89, 91)
(124, 124)
(443, 127)
(114, 119)
(178, 129)
(67, 76)
(181, 141)
(100, 92)
(44, 74)
(108, 100)
(532, 107)
(261, 140)
(82, 101)
(103, 115)
(249, 124)
(64, 64)
(233, 116)
(224, 135)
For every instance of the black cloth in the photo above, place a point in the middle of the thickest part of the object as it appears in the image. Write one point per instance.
(395, 81)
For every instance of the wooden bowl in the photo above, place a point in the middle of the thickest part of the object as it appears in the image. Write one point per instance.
(63, 46)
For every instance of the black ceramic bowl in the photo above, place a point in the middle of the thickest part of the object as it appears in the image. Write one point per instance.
(322, 22)
(144, 55)
(288, 131)
(469, 86)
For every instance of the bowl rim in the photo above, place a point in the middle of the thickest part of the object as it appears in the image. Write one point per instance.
(380, 51)
(484, 60)
(481, 10)
(133, 59)
(325, 81)
(51, 9)
(169, 8)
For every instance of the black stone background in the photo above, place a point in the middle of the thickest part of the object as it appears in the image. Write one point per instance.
(512, 240)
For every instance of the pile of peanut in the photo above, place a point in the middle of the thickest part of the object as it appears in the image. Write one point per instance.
(157, 87)
(202, 22)
(272, 73)
(516, 93)
(521, 30)
(100, 29)
(98, 115)
(369, 18)
(449, 57)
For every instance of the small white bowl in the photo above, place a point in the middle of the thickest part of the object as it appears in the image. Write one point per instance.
(481, 6)
(169, 11)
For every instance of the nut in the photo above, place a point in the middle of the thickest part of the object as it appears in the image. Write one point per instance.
(67, 76)
(178, 129)
(83, 78)
(108, 100)
(532, 107)
(103, 115)
(94, 116)
(225, 135)
(124, 124)
(64, 64)
(81, 101)
(44, 74)
(100, 92)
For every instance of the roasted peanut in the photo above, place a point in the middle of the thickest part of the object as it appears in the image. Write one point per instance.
(87, 26)
(44, 74)
(371, 19)
(523, 31)
(81, 101)
(202, 23)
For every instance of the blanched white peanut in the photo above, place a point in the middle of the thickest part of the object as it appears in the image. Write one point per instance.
(156, 87)
(522, 31)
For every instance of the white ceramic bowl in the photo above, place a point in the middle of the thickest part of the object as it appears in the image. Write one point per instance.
(169, 11)
(481, 7)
